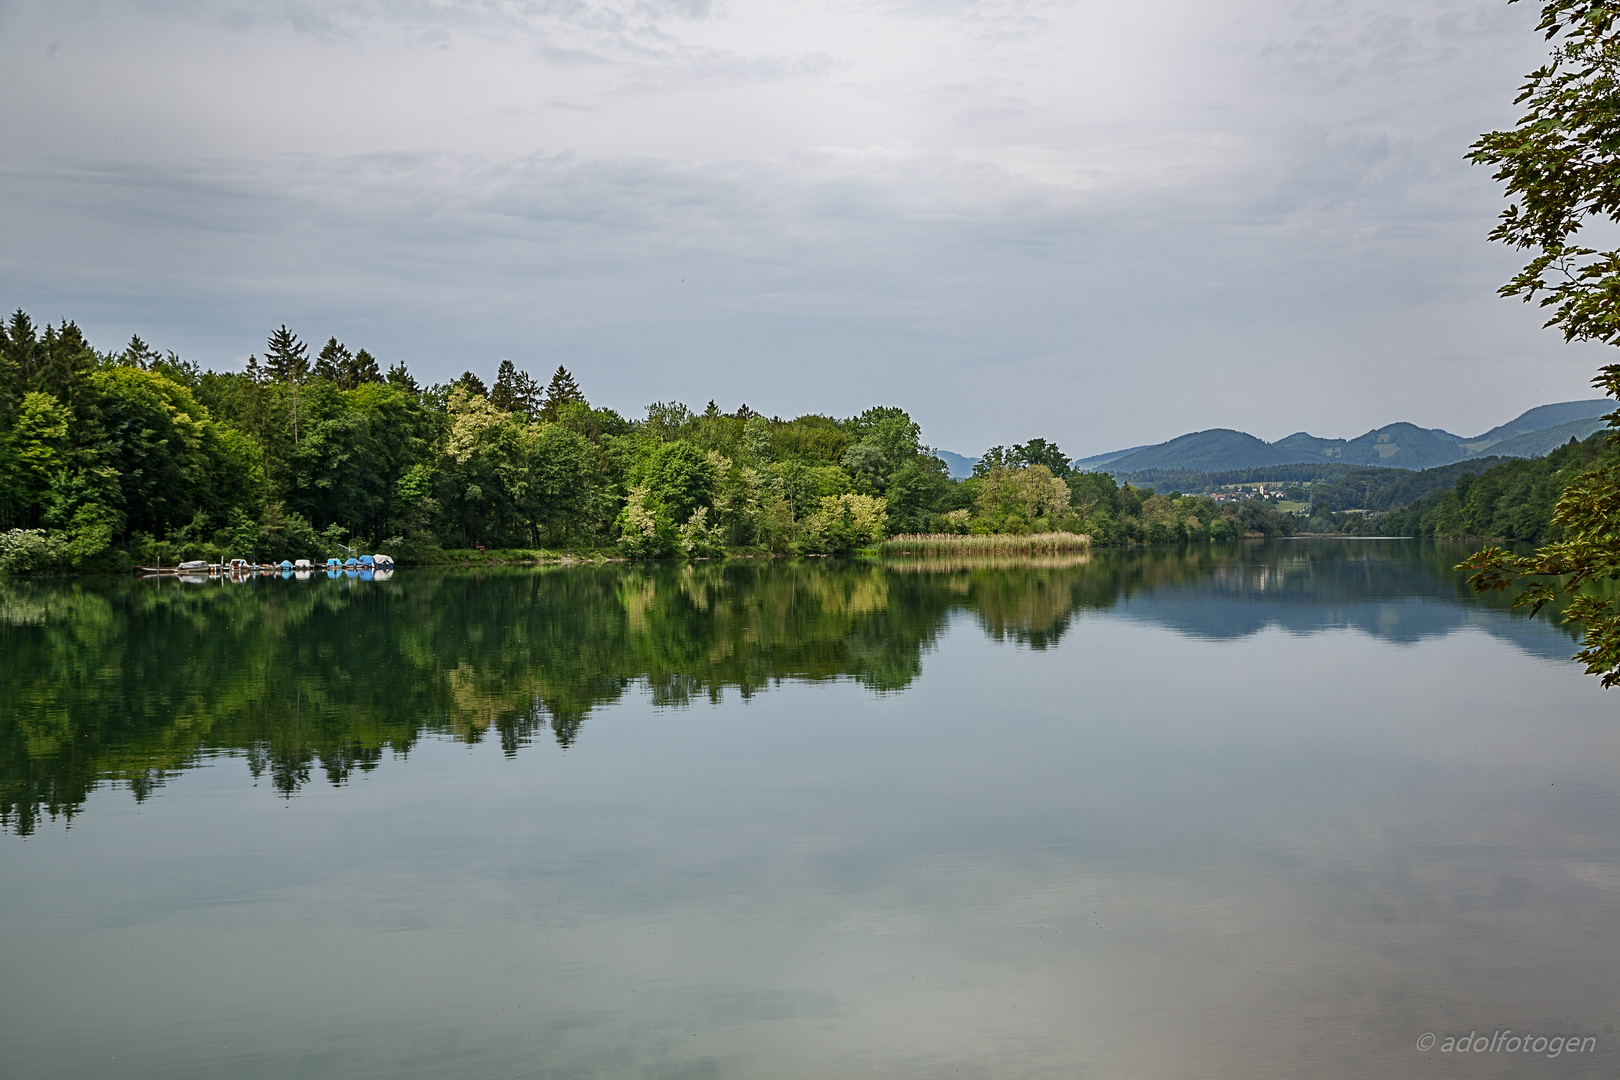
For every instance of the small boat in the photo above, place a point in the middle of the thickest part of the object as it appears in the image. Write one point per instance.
(383, 562)
(284, 565)
(301, 564)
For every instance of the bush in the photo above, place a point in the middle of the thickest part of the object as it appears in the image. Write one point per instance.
(844, 523)
(645, 531)
(32, 551)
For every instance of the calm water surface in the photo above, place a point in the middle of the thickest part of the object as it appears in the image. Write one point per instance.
(1258, 811)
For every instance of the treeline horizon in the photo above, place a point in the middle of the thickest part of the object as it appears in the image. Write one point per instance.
(129, 457)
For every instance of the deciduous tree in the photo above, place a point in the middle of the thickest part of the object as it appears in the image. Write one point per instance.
(1561, 167)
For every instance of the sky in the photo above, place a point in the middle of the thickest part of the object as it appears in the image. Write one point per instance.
(1102, 224)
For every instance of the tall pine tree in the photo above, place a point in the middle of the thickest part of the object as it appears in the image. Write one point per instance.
(505, 393)
(362, 368)
(333, 362)
(286, 358)
(66, 361)
(563, 390)
(23, 350)
(399, 377)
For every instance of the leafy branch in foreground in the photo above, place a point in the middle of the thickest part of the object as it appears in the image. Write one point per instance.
(1561, 167)
(1589, 513)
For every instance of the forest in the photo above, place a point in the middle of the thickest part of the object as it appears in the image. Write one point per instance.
(1513, 500)
(133, 457)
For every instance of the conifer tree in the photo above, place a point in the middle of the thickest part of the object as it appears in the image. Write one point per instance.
(138, 354)
(528, 394)
(11, 391)
(66, 361)
(286, 358)
(362, 369)
(22, 348)
(333, 362)
(399, 377)
(563, 390)
(472, 384)
(505, 394)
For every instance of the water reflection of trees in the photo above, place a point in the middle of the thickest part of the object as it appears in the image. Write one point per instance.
(132, 681)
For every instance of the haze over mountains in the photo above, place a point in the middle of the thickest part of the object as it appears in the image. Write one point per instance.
(1400, 446)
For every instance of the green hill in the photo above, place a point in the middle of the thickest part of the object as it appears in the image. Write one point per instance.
(1403, 446)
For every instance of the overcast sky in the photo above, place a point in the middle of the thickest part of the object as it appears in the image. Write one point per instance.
(1100, 223)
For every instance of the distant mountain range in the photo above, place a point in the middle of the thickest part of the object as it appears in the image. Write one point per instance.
(959, 467)
(1401, 446)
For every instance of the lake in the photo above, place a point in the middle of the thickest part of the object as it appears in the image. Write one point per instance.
(1262, 810)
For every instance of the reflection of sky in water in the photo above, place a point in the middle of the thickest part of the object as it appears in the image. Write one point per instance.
(1273, 848)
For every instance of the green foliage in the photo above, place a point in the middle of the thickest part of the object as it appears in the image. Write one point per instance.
(32, 551)
(644, 526)
(679, 477)
(844, 523)
(810, 438)
(561, 392)
(140, 456)
(1035, 452)
(1512, 500)
(1561, 168)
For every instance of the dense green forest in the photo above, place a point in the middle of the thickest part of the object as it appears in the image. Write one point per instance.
(1513, 500)
(114, 459)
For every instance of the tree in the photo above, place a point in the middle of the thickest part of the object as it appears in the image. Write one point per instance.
(1041, 452)
(472, 384)
(286, 358)
(1561, 167)
(361, 368)
(64, 363)
(20, 345)
(561, 391)
(399, 377)
(756, 440)
(138, 354)
(681, 478)
(514, 390)
(333, 361)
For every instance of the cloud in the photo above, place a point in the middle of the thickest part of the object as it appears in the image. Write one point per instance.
(1098, 224)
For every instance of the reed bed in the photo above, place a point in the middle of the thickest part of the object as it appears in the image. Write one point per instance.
(950, 564)
(954, 544)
